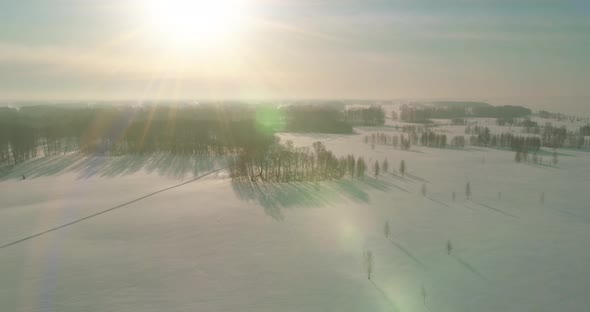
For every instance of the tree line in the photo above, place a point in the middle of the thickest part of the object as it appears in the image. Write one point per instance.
(424, 114)
(330, 118)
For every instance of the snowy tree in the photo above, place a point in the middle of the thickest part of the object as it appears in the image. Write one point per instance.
(361, 167)
(368, 257)
(402, 167)
(468, 190)
(386, 229)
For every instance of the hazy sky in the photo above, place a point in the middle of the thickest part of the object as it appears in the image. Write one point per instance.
(115, 49)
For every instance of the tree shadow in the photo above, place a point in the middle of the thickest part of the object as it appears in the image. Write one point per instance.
(274, 197)
(408, 253)
(392, 304)
(411, 176)
(469, 267)
(438, 202)
(498, 210)
(164, 164)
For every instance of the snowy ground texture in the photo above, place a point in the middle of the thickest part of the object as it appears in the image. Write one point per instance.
(214, 245)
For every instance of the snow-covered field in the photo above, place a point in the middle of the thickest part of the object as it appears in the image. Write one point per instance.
(215, 245)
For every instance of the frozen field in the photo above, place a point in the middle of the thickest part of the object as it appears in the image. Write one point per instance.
(215, 245)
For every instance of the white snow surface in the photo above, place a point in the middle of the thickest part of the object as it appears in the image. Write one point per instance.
(215, 245)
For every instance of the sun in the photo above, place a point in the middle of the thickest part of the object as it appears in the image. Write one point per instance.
(201, 22)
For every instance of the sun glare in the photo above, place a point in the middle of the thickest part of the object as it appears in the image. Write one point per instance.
(198, 22)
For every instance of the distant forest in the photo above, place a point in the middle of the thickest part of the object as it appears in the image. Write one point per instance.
(330, 118)
(451, 110)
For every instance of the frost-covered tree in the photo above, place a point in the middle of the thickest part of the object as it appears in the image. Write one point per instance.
(368, 257)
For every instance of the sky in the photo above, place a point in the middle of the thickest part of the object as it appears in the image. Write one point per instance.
(293, 49)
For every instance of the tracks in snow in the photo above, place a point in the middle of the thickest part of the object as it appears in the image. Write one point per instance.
(108, 210)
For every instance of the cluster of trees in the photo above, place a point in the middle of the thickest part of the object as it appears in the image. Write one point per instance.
(506, 140)
(190, 130)
(365, 116)
(559, 137)
(432, 139)
(397, 141)
(547, 136)
(286, 163)
(458, 141)
(525, 156)
(426, 138)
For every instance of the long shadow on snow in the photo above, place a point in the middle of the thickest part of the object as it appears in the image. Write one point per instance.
(274, 197)
(164, 164)
(408, 253)
(389, 301)
(469, 267)
(498, 210)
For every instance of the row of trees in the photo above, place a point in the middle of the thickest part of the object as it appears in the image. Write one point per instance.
(191, 130)
(397, 141)
(286, 163)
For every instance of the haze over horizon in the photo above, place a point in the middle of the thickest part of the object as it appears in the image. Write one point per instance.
(270, 49)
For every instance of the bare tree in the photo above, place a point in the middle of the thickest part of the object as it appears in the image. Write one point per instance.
(449, 247)
(368, 256)
(376, 169)
(402, 167)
